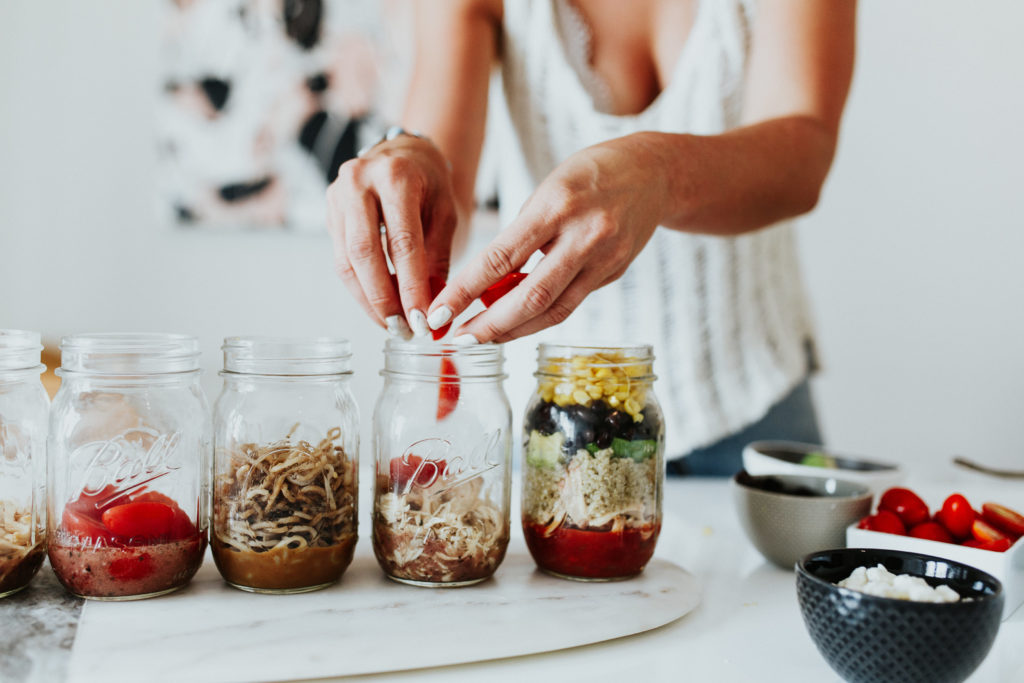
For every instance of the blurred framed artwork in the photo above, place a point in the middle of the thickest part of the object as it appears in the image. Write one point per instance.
(262, 100)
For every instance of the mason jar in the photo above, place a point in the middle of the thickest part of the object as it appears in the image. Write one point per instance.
(23, 423)
(129, 466)
(286, 449)
(593, 462)
(442, 446)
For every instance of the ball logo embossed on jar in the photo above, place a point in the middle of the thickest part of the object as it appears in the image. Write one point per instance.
(431, 462)
(128, 461)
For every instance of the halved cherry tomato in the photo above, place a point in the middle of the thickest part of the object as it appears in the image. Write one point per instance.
(501, 288)
(985, 532)
(404, 469)
(86, 529)
(885, 521)
(181, 525)
(905, 503)
(1003, 518)
(956, 515)
(142, 520)
(449, 389)
(997, 546)
(932, 531)
(436, 285)
(93, 504)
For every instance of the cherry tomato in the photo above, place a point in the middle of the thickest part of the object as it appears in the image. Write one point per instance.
(436, 285)
(137, 566)
(412, 467)
(997, 546)
(985, 532)
(86, 529)
(181, 525)
(956, 515)
(501, 288)
(1003, 518)
(449, 389)
(932, 531)
(93, 504)
(143, 520)
(905, 503)
(885, 521)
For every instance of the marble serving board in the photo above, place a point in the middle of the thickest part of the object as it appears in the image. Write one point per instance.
(365, 624)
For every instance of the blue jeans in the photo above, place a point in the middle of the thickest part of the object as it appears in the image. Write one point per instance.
(791, 419)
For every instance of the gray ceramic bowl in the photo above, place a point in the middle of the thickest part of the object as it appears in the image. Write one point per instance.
(801, 515)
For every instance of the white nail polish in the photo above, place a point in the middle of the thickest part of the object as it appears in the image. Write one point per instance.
(465, 340)
(397, 327)
(439, 318)
(418, 322)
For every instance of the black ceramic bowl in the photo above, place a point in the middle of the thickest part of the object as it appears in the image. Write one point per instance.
(871, 639)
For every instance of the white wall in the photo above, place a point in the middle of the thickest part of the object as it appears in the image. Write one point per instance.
(912, 256)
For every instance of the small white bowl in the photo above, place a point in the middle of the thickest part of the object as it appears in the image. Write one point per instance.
(791, 457)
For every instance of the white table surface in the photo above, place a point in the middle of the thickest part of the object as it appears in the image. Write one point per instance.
(747, 626)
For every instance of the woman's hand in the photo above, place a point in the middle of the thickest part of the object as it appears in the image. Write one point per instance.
(590, 217)
(404, 185)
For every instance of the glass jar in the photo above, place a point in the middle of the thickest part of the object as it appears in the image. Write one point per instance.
(593, 471)
(442, 445)
(24, 406)
(129, 467)
(286, 447)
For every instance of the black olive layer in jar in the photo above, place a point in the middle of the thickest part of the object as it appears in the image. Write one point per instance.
(593, 470)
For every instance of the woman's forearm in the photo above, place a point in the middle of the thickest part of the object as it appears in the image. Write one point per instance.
(738, 181)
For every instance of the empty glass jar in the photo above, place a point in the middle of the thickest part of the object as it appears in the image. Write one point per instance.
(23, 424)
(286, 436)
(442, 447)
(593, 470)
(129, 466)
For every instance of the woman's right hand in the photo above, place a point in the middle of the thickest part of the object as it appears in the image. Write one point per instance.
(403, 185)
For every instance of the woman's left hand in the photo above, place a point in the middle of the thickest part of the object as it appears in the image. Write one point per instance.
(590, 217)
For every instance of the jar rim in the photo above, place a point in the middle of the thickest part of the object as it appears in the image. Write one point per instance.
(417, 359)
(20, 349)
(287, 356)
(561, 355)
(129, 353)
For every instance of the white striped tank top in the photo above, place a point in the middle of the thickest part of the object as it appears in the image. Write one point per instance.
(727, 316)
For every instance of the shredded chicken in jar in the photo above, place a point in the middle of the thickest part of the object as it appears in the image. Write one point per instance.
(439, 534)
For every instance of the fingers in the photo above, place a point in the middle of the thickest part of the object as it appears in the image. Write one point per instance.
(400, 209)
(366, 257)
(342, 266)
(539, 295)
(563, 306)
(506, 253)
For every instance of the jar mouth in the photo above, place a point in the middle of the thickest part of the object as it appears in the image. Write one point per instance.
(557, 360)
(125, 354)
(429, 360)
(19, 350)
(287, 356)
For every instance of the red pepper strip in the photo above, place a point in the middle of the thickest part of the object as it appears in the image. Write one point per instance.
(501, 288)
(449, 390)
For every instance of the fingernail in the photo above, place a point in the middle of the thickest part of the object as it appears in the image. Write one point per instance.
(397, 327)
(439, 318)
(465, 340)
(418, 322)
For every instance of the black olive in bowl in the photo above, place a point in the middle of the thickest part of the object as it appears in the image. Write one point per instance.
(869, 639)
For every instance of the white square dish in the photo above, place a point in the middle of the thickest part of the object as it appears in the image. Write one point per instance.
(1006, 566)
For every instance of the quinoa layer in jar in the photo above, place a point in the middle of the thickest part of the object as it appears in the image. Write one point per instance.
(593, 470)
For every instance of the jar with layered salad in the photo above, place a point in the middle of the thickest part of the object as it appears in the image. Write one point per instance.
(286, 435)
(593, 462)
(24, 408)
(442, 448)
(129, 466)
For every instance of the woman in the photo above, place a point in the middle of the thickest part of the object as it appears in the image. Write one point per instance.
(655, 150)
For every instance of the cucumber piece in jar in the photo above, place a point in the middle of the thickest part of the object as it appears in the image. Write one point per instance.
(544, 451)
(637, 451)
